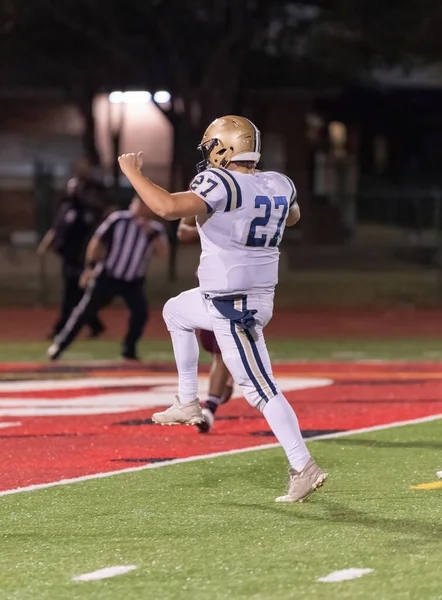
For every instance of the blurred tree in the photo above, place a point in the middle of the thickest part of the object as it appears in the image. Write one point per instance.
(207, 53)
(42, 46)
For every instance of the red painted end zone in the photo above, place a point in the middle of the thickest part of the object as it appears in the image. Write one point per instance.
(43, 449)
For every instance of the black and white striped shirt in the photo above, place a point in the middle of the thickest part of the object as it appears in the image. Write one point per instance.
(128, 244)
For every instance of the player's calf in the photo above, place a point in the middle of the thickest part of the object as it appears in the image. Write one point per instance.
(211, 406)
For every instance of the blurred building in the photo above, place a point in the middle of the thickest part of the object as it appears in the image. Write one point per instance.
(368, 153)
(379, 141)
(365, 161)
(41, 134)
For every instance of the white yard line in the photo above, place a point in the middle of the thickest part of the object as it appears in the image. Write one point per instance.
(344, 575)
(103, 573)
(177, 461)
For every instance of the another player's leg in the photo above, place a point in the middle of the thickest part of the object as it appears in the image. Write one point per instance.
(219, 392)
(220, 381)
(183, 315)
(245, 354)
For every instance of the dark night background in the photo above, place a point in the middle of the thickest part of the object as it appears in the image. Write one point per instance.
(347, 95)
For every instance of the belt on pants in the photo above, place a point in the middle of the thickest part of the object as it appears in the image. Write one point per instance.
(235, 309)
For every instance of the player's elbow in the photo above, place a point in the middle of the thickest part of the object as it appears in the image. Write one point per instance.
(168, 213)
(294, 215)
(187, 234)
(182, 234)
(95, 250)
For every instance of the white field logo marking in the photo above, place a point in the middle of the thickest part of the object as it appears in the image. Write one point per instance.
(344, 575)
(162, 393)
(104, 573)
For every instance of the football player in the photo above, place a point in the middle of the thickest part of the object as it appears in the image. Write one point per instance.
(241, 216)
(220, 380)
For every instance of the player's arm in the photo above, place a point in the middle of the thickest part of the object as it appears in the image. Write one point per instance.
(96, 249)
(161, 202)
(46, 242)
(56, 236)
(95, 252)
(294, 215)
(187, 230)
(294, 211)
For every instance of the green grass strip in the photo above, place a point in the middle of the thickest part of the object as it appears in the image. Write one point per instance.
(210, 530)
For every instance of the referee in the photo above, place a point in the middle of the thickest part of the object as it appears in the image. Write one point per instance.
(116, 261)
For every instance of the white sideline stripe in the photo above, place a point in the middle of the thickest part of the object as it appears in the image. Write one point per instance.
(104, 573)
(176, 461)
(10, 424)
(51, 385)
(344, 575)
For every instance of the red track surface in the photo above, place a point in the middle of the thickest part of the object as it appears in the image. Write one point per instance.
(46, 449)
(34, 324)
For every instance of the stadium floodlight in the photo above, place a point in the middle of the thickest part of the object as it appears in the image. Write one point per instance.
(116, 97)
(131, 97)
(162, 97)
(137, 97)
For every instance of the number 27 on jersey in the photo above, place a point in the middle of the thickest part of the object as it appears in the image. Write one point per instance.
(277, 203)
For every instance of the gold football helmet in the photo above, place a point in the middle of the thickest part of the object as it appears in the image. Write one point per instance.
(228, 139)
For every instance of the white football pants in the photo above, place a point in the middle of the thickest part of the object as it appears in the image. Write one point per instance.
(245, 355)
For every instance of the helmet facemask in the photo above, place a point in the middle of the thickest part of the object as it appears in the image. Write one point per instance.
(212, 158)
(206, 150)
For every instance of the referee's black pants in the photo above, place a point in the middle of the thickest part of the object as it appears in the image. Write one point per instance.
(72, 294)
(98, 294)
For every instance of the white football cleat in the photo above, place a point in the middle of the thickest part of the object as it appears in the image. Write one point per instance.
(303, 483)
(439, 474)
(180, 414)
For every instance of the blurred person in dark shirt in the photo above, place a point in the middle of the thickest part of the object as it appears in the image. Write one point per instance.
(81, 209)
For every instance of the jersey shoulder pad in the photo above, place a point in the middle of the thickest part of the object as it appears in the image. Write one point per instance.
(218, 188)
(231, 186)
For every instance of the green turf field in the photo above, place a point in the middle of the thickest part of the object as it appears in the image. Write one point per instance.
(295, 349)
(209, 530)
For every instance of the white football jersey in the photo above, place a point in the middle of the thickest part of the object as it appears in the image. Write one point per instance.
(240, 235)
